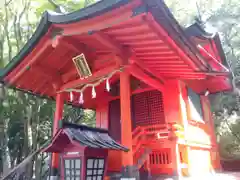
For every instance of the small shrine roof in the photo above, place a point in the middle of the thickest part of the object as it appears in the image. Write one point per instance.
(84, 136)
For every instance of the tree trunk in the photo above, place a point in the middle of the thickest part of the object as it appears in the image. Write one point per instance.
(6, 32)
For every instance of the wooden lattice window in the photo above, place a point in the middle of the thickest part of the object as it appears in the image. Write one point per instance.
(72, 169)
(148, 108)
(95, 169)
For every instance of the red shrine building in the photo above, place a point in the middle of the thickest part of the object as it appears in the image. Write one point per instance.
(147, 78)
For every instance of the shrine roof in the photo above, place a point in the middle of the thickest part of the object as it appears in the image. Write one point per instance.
(144, 28)
(49, 18)
(197, 30)
(83, 135)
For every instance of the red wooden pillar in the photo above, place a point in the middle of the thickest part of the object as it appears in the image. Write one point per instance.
(126, 124)
(215, 159)
(171, 101)
(102, 115)
(57, 117)
(173, 114)
(185, 118)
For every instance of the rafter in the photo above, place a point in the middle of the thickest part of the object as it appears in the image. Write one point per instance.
(104, 60)
(122, 52)
(214, 60)
(149, 20)
(141, 64)
(32, 59)
(137, 72)
(116, 52)
(76, 46)
(40, 86)
(51, 74)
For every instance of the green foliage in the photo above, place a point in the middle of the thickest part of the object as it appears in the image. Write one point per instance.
(79, 116)
(26, 121)
(42, 6)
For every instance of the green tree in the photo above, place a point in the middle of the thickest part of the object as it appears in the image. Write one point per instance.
(26, 121)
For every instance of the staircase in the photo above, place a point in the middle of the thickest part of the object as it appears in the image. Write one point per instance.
(143, 158)
(152, 149)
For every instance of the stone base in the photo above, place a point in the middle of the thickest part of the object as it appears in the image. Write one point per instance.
(130, 172)
(53, 178)
(54, 174)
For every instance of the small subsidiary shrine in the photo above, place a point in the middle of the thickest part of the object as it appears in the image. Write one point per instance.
(84, 151)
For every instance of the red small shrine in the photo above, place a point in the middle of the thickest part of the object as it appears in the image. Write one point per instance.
(147, 78)
(83, 151)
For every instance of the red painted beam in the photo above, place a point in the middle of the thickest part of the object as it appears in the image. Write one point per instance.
(172, 75)
(214, 60)
(142, 65)
(166, 65)
(149, 19)
(106, 60)
(159, 58)
(38, 88)
(100, 61)
(152, 53)
(129, 29)
(173, 69)
(141, 75)
(31, 61)
(121, 52)
(107, 20)
(71, 44)
(46, 88)
(166, 62)
(95, 76)
(75, 47)
(137, 37)
(144, 43)
(203, 74)
(141, 49)
(108, 42)
(51, 74)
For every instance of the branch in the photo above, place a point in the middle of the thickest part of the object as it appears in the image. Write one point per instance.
(15, 32)
(26, 6)
(7, 3)
(7, 34)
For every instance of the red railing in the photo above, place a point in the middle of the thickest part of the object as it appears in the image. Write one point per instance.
(143, 136)
(149, 133)
(160, 161)
(160, 157)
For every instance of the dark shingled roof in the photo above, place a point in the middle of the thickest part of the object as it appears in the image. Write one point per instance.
(196, 30)
(157, 8)
(85, 136)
